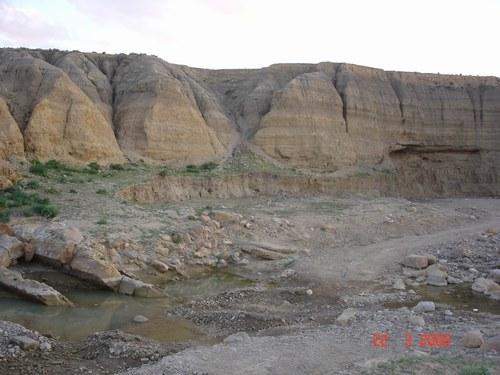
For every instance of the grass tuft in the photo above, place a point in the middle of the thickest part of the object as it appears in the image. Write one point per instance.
(45, 210)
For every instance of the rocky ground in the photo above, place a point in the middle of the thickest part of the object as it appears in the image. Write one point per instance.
(322, 275)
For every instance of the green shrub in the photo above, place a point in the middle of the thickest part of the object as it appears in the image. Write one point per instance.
(15, 196)
(42, 169)
(39, 169)
(52, 190)
(32, 184)
(4, 216)
(31, 203)
(45, 210)
(474, 370)
(117, 167)
(361, 174)
(55, 165)
(190, 168)
(101, 191)
(176, 238)
(208, 166)
(102, 221)
(163, 173)
(73, 191)
(94, 166)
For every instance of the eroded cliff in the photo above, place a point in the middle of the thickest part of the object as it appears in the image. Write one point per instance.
(78, 107)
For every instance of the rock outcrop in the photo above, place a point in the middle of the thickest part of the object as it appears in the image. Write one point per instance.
(79, 107)
(31, 289)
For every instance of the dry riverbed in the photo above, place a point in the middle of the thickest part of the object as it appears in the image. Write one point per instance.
(302, 286)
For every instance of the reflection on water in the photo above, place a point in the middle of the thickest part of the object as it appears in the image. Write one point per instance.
(100, 310)
(461, 297)
(206, 285)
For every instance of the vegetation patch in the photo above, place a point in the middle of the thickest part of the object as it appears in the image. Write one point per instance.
(45, 210)
(102, 221)
(474, 370)
(28, 204)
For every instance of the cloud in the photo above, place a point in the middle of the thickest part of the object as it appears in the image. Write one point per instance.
(28, 27)
(128, 12)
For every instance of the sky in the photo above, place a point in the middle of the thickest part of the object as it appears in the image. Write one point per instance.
(445, 36)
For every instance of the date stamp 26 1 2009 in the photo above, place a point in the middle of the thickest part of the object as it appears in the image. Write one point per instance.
(426, 340)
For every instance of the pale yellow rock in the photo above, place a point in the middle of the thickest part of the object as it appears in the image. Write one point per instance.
(65, 125)
(11, 139)
(305, 125)
(157, 117)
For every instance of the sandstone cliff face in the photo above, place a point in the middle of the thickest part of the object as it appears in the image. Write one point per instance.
(11, 139)
(305, 124)
(57, 119)
(157, 115)
(79, 107)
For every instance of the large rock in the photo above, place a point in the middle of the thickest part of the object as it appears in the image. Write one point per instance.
(493, 343)
(31, 289)
(473, 339)
(85, 266)
(436, 276)
(346, 315)
(424, 306)
(486, 286)
(416, 261)
(10, 250)
(53, 243)
(138, 288)
(494, 275)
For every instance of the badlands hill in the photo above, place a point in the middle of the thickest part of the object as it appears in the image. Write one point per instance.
(80, 107)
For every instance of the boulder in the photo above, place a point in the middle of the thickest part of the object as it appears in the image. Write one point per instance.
(347, 315)
(159, 266)
(416, 261)
(435, 276)
(494, 275)
(85, 266)
(31, 289)
(399, 284)
(473, 339)
(148, 291)
(53, 243)
(25, 342)
(139, 288)
(140, 319)
(454, 280)
(424, 306)
(431, 259)
(487, 286)
(10, 250)
(493, 343)
(225, 217)
(416, 320)
(495, 296)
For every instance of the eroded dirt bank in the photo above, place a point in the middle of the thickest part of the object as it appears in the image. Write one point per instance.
(308, 261)
(412, 172)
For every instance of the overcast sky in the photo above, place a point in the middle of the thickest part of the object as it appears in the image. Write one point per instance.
(447, 36)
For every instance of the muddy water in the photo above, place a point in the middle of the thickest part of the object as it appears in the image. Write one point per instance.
(100, 310)
(460, 297)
